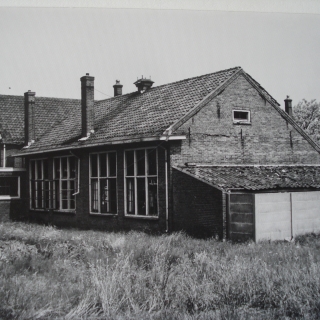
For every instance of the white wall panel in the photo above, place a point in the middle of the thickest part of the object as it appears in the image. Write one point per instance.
(306, 212)
(272, 216)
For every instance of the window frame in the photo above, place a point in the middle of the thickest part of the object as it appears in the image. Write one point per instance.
(8, 197)
(76, 180)
(42, 181)
(146, 176)
(241, 121)
(99, 178)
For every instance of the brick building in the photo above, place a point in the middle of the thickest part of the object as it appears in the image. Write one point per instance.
(213, 155)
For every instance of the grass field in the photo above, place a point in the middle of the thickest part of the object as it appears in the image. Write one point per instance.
(47, 273)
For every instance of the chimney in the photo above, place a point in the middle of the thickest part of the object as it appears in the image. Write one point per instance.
(143, 84)
(288, 106)
(117, 88)
(29, 118)
(87, 105)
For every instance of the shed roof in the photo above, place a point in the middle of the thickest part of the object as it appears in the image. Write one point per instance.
(255, 177)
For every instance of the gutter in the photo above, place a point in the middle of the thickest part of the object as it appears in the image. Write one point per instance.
(107, 143)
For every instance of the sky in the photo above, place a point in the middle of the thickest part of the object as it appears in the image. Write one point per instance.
(47, 50)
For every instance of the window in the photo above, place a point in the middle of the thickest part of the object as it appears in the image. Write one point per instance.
(39, 184)
(9, 187)
(141, 182)
(64, 182)
(241, 116)
(103, 183)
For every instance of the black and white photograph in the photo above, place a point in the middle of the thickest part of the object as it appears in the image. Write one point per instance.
(159, 160)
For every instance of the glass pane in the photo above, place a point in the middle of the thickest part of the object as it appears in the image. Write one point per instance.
(56, 194)
(39, 191)
(94, 165)
(103, 164)
(112, 164)
(33, 170)
(45, 169)
(113, 195)
(64, 167)
(152, 162)
(57, 168)
(9, 186)
(141, 193)
(94, 195)
(104, 196)
(33, 194)
(64, 190)
(130, 196)
(72, 167)
(108, 196)
(39, 169)
(141, 162)
(153, 197)
(130, 163)
(47, 194)
(71, 196)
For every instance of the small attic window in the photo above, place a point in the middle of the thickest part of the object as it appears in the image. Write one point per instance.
(241, 116)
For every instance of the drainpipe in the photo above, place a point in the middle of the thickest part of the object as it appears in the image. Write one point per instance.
(166, 187)
(74, 194)
(4, 155)
(167, 193)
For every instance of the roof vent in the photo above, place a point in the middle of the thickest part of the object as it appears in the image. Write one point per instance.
(143, 84)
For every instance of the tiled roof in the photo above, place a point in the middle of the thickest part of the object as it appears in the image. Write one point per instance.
(48, 112)
(134, 115)
(255, 177)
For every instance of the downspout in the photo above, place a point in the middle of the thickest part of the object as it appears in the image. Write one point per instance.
(291, 216)
(166, 187)
(167, 193)
(78, 184)
(4, 155)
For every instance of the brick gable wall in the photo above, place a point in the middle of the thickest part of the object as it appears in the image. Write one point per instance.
(213, 138)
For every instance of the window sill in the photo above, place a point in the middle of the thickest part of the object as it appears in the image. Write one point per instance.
(71, 212)
(97, 214)
(242, 123)
(141, 217)
(8, 198)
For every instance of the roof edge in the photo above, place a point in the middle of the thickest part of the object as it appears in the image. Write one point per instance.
(202, 180)
(106, 143)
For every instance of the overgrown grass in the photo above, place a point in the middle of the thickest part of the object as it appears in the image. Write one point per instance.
(47, 273)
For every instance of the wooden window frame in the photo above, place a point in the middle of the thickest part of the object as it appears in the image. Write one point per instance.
(73, 191)
(135, 176)
(99, 178)
(241, 121)
(8, 197)
(45, 190)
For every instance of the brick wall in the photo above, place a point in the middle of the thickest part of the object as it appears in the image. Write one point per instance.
(197, 207)
(82, 218)
(15, 209)
(213, 138)
(11, 149)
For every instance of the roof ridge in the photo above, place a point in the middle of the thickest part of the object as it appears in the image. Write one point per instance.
(178, 81)
(196, 77)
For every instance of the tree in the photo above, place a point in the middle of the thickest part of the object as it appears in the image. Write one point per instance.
(307, 115)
